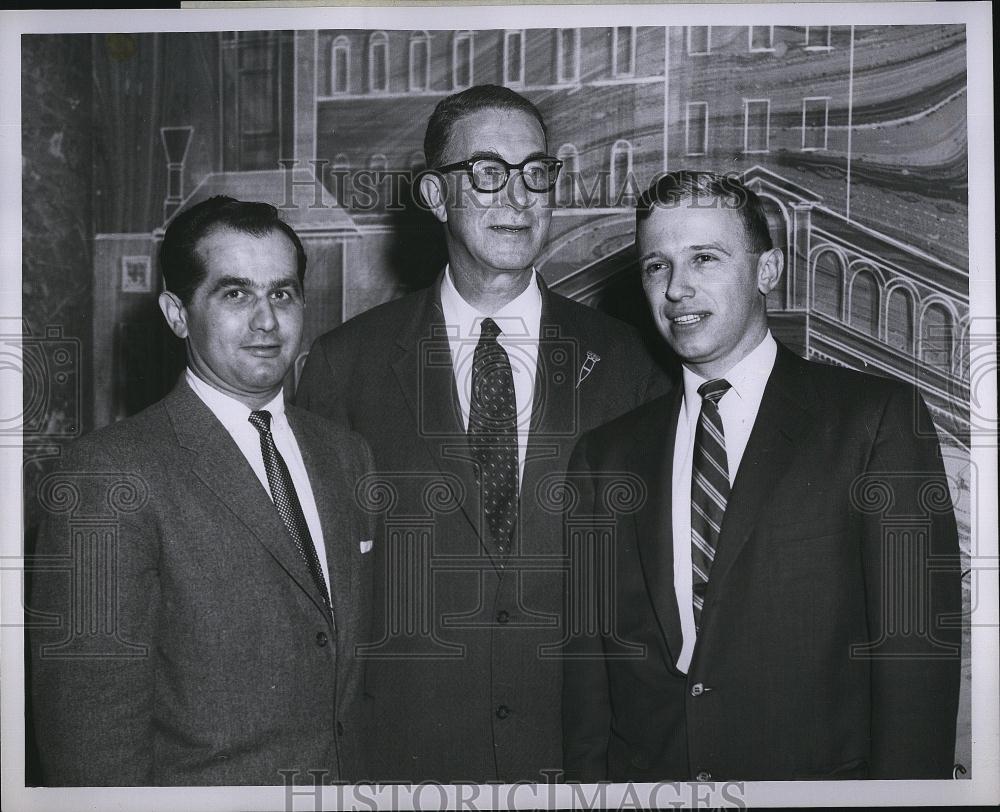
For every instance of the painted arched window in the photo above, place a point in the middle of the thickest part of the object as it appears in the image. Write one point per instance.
(863, 314)
(899, 320)
(340, 65)
(566, 189)
(963, 352)
(378, 62)
(513, 58)
(420, 61)
(936, 337)
(828, 284)
(623, 51)
(462, 60)
(568, 56)
(621, 173)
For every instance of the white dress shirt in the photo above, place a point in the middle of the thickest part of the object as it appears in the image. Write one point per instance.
(738, 409)
(236, 419)
(520, 321)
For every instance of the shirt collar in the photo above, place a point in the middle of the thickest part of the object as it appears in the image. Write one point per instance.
(747, 377)
(231, 412)
(519, 318)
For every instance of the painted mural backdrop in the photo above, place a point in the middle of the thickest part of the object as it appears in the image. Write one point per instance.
(855, 136)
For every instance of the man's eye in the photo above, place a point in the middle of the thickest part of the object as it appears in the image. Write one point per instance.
(654, 268)
(702, 258)
(234, 294)
(281, 294)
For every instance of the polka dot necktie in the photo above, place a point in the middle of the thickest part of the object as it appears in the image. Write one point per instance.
(492, 434)
(286, 500)
(709, 489)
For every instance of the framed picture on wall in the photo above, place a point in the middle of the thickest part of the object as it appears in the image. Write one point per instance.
(137, 275)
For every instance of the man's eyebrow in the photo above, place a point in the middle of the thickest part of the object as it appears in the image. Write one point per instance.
(283, 282)
(649, 255)
(244, 282)
(712, 246)
(231, 282)
(489, 153)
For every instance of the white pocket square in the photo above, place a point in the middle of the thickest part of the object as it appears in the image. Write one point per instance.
(366, 546)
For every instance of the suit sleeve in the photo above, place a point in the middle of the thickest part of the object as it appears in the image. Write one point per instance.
(913, 592)
(95, 579)
(586, 702)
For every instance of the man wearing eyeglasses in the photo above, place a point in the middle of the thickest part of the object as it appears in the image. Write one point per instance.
(472, 393)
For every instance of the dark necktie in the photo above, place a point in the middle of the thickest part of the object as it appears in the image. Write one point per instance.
(492, 433)
(709, 489)
(286, 500)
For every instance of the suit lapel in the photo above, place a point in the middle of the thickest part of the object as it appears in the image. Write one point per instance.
(224, 471)
(654, 455)
(331, 490)
(426, 376)
(554, 421)
(783, 417)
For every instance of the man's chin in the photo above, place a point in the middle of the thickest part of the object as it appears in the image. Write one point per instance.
(265, 377)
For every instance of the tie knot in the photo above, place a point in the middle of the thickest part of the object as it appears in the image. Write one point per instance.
(489, 329)
(260, 420)
(714, 390)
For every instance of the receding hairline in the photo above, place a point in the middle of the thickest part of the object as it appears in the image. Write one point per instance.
(498, 108)
(253, 234)
(198, 249)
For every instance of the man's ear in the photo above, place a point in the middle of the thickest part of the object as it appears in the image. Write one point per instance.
(770, 264)
(434, 192)
(174, 312)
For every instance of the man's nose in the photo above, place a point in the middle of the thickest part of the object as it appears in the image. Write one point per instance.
(679, 285)
(517, 192)
(263, 317)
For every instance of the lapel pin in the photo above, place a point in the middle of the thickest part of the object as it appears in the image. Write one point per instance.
(588, 367)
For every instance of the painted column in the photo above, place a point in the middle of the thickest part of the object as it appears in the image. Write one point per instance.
(799, 283)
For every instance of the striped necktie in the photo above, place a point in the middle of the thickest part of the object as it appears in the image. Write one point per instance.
(286, 500)
(709, 489)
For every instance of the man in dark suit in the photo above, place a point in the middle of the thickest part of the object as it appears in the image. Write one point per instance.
(471, 394)
(780, 591)
(206, 570)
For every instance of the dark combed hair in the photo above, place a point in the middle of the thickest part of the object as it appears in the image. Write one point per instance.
(476, 98)
(180, 262)
(674, 188)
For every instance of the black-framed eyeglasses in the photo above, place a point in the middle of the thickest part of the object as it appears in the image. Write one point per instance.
(492, 174)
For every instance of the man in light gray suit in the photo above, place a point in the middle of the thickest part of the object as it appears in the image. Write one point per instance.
(206, 564)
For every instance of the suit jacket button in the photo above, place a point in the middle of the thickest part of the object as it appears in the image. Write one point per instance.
(502, 711)
(697, 690)
(502, 616)
(321, 639)
(703, 775)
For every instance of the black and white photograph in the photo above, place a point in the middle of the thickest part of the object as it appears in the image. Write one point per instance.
(441, 407)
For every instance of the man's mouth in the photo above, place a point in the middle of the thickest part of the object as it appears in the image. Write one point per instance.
(509, 229)
(688, 319)
(263, 350)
